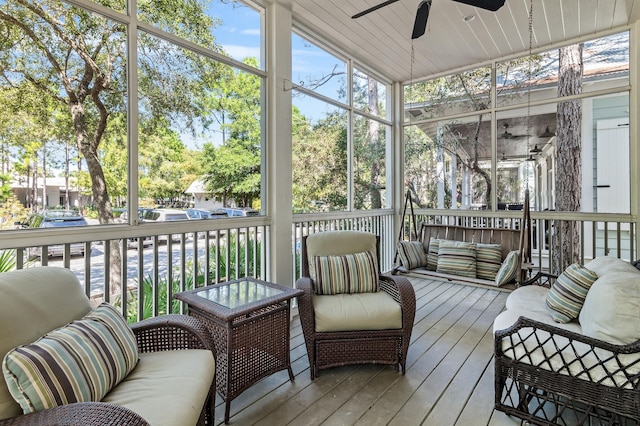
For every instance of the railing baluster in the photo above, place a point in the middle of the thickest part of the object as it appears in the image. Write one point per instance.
(107, 271)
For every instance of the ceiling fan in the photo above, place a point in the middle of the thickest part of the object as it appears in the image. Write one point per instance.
(507, 134)
(420, 24)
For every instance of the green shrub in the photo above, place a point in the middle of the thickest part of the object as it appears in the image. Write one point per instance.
(226, 272)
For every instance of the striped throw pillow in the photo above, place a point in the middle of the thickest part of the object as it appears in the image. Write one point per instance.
(412, 254)
(509, 269)
(566, 296)
(488, 260)
(432, 253)
(349, 273)
(457, 258)
(79, 362)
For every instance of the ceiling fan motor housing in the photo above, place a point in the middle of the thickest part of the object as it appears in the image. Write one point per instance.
(491, 5)
(422, 15)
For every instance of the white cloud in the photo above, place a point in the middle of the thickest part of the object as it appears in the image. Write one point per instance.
(252, 31)
(240, 52)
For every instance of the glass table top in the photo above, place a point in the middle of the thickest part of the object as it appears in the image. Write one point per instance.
(238, 293)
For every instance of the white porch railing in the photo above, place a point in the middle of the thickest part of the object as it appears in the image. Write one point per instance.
(600, 234)
(207, 251)
(156, 260)
(379, 222)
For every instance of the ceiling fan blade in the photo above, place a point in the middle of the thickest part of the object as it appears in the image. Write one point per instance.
(374, 8)
(420, 25)
(491, 5)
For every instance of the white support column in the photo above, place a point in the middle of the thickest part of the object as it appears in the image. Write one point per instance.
(634, 122)
(278, 143)
(453, 187)
(397, 172)
(466, 188)
(440, 177)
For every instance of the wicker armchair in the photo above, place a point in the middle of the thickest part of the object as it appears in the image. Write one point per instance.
(35, 301)
(327, 349)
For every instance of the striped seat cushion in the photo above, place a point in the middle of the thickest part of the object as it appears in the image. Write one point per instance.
(79, 362)
(566, 296)
(412, 254)
(488, 260)
(457, 258)
(349, 273)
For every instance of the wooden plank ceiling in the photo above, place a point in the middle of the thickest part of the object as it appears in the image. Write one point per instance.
(381, 40)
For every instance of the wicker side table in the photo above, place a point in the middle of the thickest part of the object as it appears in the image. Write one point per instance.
(249, 322)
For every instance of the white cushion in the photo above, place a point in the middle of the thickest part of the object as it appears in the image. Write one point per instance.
(605, 264)
(361, 311)
(525, 346)
(611, 311)
(528, 298)
(167, 388)
(507, 318)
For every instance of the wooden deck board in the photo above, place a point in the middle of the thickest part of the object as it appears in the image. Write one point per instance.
(449, 378)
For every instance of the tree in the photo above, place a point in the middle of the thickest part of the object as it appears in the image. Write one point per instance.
(78, 59)
(465, 91)
(233, 168)
(319, 162)
(369, 146)
(569, 156)
(467, 142)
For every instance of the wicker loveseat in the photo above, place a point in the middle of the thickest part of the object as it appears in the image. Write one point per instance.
(585, 371)
(361, 328)
(170, 383)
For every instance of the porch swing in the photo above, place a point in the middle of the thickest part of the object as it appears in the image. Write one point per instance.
(510, 239)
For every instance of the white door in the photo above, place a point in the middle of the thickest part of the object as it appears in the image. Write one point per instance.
(612, 166)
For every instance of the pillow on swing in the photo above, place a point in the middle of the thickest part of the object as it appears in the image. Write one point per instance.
(412, 254)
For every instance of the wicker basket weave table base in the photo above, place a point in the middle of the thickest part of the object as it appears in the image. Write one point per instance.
(249, 322)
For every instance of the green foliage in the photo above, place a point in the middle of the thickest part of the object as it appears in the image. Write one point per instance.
(319, 162)
(11, 210)
(232, 169)
(7, 260)
(248, 264)
(5, 188)
(148, 299)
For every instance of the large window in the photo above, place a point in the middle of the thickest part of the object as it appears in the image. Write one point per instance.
(341, 133)
(67, 87)
(465, 149)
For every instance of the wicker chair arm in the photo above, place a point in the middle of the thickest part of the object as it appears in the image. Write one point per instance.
(171, 332)
(402, 291)
(305, 303)
(305, 285)
(80, 414)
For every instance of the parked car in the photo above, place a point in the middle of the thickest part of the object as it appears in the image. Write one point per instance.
(133, 242)
(165, 215)
(54, 219)
(206, 214)
(240, 211)
(198, 214)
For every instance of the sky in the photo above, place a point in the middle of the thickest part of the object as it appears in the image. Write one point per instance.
(239, 35)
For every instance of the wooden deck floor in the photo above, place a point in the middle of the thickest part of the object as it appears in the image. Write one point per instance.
(449, 378)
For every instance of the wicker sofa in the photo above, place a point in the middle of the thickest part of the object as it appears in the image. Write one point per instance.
(585, 371)
(165, 386)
